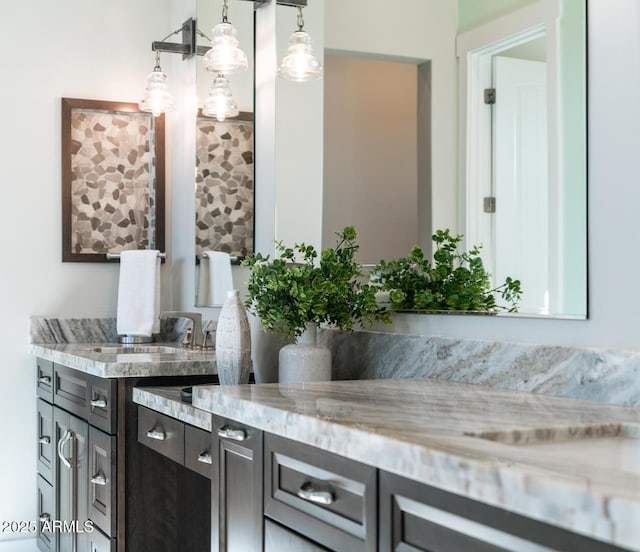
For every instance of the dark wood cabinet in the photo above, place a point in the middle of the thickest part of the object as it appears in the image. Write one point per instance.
(281, 539)
(236, 491)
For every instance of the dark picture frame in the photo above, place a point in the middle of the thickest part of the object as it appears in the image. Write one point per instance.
(113, 179)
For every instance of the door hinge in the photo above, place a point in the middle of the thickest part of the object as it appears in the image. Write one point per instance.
(489, 96)
(489, 204)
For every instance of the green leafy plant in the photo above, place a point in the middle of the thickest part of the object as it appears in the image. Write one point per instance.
(455, 281)
(295, 288)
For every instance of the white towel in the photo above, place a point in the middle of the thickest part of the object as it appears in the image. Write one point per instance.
(202, 293)
(139, 293)
(220, 277)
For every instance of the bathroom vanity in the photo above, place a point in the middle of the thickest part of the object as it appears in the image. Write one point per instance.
(414, 465)
(91, 469)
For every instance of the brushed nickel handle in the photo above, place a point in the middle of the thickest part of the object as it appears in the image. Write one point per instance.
(308, 493)
(157, 434)
(227, 432)
(61, 443)
(205, 457)
(98, 403)
(45, 379)
(44, 517)
(44, 440)
(98, 479)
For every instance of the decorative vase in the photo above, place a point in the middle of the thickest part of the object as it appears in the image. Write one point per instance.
(233, 342)
(304, 360)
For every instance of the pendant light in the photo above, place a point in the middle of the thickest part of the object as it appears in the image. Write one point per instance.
(225, 56)
(220, 104)
(157, 99)
(300, 64)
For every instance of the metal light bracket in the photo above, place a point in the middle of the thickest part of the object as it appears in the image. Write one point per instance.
(188, 47)
(292, 3)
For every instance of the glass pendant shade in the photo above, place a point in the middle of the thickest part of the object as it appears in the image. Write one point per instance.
(220, 104)
(157, 99)
(224, 56)
(300, 64)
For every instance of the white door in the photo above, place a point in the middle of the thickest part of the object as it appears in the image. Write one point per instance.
(520, 179)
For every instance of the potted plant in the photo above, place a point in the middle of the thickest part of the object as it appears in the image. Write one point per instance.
(296, 291)
(455, 281)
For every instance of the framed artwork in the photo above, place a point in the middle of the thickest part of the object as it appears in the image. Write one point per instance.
(224, 185)
(113, 171)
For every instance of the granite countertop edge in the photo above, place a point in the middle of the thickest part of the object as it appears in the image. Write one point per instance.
(594, 502)
(81, 357)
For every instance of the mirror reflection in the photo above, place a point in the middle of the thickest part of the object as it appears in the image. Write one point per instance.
(224, 176)
(519, 194)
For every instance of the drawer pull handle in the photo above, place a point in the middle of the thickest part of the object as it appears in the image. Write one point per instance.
(68, 435)
(45, 379)
(44, 440)
(156, 434)
(228, 432)
(205, 458)
(98, 479)
(44, 517)
(307, 492)
(98, 403)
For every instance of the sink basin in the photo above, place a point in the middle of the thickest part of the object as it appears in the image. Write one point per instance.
(610, 446)
(136, 349)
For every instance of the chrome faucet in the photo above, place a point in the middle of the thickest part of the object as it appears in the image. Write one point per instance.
(196, 325)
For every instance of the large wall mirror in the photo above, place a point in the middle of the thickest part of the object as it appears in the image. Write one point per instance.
(401, 156)
(224, 164)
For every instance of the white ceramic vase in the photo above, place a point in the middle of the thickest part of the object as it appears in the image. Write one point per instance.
(304, 360)
(233, 342)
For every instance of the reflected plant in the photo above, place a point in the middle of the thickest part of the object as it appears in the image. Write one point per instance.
(455, 281)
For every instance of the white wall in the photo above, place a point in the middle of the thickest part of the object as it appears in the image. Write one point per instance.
(94, 50)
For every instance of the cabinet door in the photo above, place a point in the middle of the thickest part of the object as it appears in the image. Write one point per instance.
(70, 480)
(236, 492)
(102, 480)
(45, 440)
(46, 514)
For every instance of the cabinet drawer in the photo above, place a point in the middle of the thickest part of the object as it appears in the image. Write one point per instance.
(45, 440)
(328, 498)
(44, 379)
(197, 450)
(161, 433)
(46, 515)
(102, 403)
(102, 480)
(70, 390)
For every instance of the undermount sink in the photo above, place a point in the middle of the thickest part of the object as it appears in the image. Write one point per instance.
(607, 445)
(136, 349)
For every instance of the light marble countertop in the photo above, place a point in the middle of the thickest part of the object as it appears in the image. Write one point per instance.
(85, 357)
(570, 463)
(167, 400)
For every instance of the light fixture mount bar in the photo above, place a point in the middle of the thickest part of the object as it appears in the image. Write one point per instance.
(188, 45)
(293, 3)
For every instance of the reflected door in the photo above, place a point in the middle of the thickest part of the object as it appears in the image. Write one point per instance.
(521, 180)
